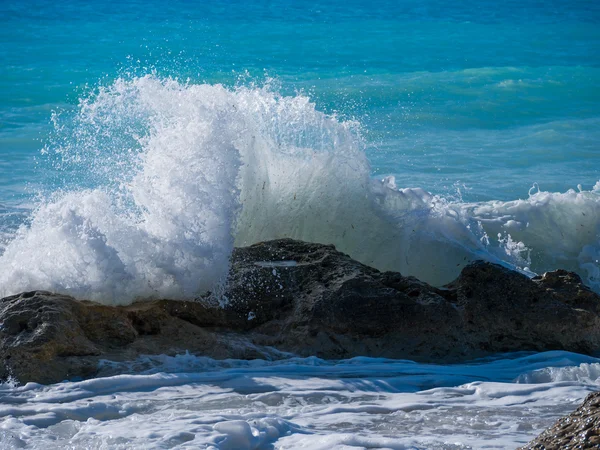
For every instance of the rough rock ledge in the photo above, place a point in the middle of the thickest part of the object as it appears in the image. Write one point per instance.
(307, 299)
(578, 430)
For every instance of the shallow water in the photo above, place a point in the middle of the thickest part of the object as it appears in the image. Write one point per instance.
(190, 402)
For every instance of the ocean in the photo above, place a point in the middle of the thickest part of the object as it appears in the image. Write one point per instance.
(141, 141)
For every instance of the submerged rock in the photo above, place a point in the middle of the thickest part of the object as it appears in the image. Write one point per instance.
(307, 299)
(578, 430)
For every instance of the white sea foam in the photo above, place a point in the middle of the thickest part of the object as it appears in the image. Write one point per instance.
(160, 224)
(189, 402)
(583, 373)
(163, 178)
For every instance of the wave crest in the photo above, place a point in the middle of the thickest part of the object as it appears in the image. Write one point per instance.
(162, 178)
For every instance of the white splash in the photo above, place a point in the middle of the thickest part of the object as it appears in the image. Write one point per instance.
(161, 223)
(163, 178)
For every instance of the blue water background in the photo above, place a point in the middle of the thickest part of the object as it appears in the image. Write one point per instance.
(481, 97)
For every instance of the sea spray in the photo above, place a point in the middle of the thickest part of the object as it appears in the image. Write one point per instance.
(155, 220)
(156, 180)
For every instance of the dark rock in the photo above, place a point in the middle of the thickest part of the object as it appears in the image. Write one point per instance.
(307, 299)
(505, 310)
(331, 306)
(47, 337)
(578, 430)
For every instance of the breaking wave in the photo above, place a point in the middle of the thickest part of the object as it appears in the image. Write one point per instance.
(157, 180)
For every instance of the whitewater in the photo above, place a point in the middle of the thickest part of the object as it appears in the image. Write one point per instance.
(157, 180)
(192, 402)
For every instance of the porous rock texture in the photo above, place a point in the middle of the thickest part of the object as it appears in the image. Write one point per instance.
(578, 430)
(306, 299)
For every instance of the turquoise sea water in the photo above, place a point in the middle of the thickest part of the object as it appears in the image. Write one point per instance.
(478, 103)
(488, 96)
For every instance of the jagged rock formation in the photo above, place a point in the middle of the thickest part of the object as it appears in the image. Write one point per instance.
(578, 430)
(306, 299)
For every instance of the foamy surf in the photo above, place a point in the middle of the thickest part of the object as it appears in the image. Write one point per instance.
(159, 179)
(194, 402)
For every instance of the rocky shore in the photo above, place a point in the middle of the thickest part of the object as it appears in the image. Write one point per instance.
(578, 430)
(286, 297)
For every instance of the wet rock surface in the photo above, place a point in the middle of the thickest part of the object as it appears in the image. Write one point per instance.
(578, 430)
(306, 299)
